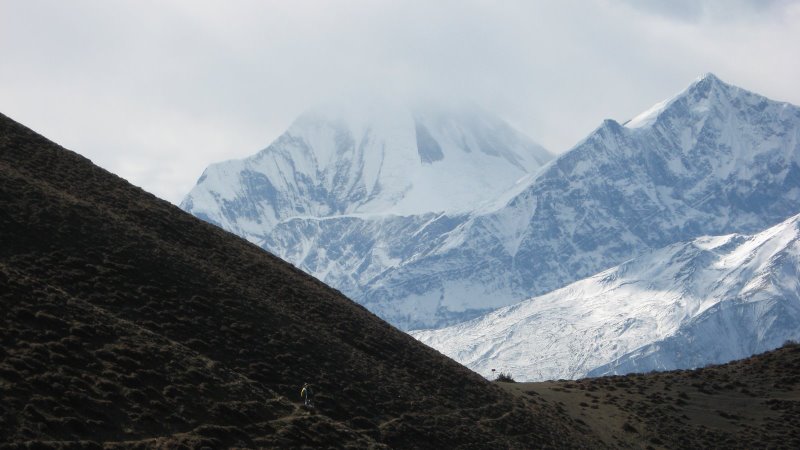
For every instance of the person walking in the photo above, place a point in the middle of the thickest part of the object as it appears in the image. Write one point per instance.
(307, 394)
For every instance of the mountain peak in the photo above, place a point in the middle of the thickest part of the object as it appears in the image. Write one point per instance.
(707, 87)
(708, 77)
(704, 85)
(368, 157)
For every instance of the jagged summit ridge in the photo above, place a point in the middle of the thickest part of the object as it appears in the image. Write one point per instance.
(705, 92)
(376, 159)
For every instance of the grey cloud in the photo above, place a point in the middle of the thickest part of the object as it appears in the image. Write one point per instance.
(157, 90)
(714, 10)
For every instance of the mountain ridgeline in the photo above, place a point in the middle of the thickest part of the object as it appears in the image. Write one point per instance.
(715, 159)
(126, 322)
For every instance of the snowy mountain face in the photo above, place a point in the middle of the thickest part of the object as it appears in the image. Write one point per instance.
(432, 218)
(714, 160)
(348, 194)
(710, 300)
(375, 160)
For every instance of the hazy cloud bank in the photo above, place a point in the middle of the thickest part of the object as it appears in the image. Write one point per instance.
(157, 90)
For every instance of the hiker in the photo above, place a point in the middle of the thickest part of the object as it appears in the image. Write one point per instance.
(307, 394)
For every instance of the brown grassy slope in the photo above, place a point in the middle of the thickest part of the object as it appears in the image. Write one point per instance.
(124, 319)
(752, 403)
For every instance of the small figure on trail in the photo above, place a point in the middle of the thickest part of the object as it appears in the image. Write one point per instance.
(307, 394)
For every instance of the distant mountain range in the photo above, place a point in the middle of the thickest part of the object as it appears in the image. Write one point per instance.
(709, 300)
(713, 160)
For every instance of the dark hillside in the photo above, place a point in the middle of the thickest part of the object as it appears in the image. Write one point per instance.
(752, 403)
(125, 320)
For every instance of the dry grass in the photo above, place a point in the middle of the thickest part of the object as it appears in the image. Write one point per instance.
(752, 403)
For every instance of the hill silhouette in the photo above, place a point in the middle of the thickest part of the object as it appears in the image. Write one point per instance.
(127, 322)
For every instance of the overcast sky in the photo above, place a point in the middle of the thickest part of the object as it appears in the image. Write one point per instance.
(154, 91)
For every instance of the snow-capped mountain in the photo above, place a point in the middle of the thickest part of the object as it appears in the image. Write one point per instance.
(713, 160)
(710, 300)
(375, 159)
(348, 193)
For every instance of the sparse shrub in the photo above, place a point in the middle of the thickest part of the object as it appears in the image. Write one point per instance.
(790, 343)
(360, 422)
(629, 428)
(505, 377)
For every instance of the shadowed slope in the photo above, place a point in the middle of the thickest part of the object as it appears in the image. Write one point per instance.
(126, 320)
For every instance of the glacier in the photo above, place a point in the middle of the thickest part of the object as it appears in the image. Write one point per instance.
(710, 300)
